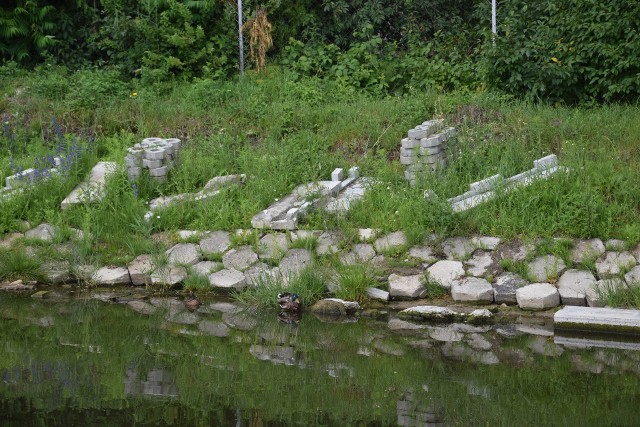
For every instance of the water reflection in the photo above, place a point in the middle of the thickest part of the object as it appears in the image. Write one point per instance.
(223, 364)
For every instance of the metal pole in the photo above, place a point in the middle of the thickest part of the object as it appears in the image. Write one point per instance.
(493, 21)
(240, 38)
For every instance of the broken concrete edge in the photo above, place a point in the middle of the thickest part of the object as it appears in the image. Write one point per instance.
(91, 189)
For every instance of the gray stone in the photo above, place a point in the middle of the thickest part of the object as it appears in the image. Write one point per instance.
(273, 246)
(110, 276)
(295, 261)
(328, 243)
(363, 252)
(377, 294)
(486, 242)
(57, 272)
(205, 268)
(188, 234)
(227, 279)
(140, 270)
(538, 296)
(515, 251)
(215, 243)
(546, 267)
(260, 273)
(430, 313)
(597, 319)
(219, 182)
(183, 254)
(603, 287)
(573, 286)
(458, 248)
(367, 234)
(614, 245)
(407, 287)
(482, 264)
(445, 334)
(44, 232)
(240, 259)
(391, 242)
(335, 306)
(633, 276)
(613, 263)
(168, 276)
(423, 253)
(472, 289)
(213, 328)
(587, 250)
(504, 290)
(445, 273)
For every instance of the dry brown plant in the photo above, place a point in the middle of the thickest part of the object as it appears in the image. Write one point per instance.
(260, 40)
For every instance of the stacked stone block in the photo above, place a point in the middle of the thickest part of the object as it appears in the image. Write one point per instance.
(425, 149)
(157, 155)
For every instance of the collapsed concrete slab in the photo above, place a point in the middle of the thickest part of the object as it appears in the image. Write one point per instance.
(334, 196)
(92, 188)
(211, 189)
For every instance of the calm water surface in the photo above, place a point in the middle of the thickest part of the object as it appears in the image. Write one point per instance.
(80, 362)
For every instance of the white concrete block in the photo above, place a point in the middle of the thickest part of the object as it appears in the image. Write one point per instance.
(337, 174)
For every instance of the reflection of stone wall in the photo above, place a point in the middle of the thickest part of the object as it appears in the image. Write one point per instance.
(413, 413)
(158, 383)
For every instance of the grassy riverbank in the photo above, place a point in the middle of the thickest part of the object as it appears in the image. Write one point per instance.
(283, 132)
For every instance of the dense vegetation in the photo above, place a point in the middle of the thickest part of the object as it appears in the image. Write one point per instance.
(558, 50)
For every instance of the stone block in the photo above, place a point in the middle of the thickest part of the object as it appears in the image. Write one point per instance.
(587, 249)
(273, 246)
(433, 159)
(444, 273)
(111, 276)
(472, 289)
(240, 259)
(430, 151)
(546, 162)
(377, 294)
(151, 164)
(406, 160)
(184, 254)
(573, 286)
(485, 184)
(337, 174)
(205, 268)
(140, 270)
(409, 143)
(597, 320)
(390, 242)
(417, 133)
(168, 276)
(228, 279)
(633, 276)
(432, 141)
(408, 152)
(217, 242)
(154, 153)
(545, 267)
(504, 290)
(158, 172)
(295, 261)
(537, 296)
(612, 263)
(407, 287)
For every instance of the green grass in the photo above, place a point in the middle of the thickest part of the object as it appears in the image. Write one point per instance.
(294, 141)
(16, 264)
(621, 296)
(353, 282)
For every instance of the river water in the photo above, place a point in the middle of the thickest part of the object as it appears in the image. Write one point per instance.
(81, 361)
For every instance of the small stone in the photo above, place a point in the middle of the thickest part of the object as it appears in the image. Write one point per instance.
(110, 276)
(573, 285)
(273, 246)
(391, 242)
(486, 243)
(328, 243)
(227, 279)
(183, 254)
(445, 272)
(423, 253)
(457, 248)
(546, 267)
(407, 287)
(215, 243)
(538, 296)
(377, 294)
(505, 288)
(363, 252)
(140, 270)
(472, 289)
(615, 245)
(240, 259)
(44, 232)
(613, 263)
(587, 250)
(295, 261)
(17, 285)
(633, 276)
(168, 276)
(367, 234)
(205, 268)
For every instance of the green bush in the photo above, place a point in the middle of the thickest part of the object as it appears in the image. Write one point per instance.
(567, 50)
(91, 88)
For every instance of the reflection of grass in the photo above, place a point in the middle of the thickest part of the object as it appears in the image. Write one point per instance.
(308, 284)
(16, 264)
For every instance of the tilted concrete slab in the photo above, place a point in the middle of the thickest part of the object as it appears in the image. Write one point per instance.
(92, 188)
(591, 319)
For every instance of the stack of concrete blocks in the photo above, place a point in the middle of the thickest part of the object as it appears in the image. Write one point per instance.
(157, 155)
(425, 149)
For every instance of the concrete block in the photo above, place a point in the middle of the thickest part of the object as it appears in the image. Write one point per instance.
(175, 143)
(337, 174)
(158, 172)
(432, 141)
(434, 158)
(404, 160)
(485, 184)
(407, 152)
(151, 164)
(546, 162)
(593, 319)
(417, 133)
(354, 172)
(154, 154)
(429, 151)
(409, 143)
